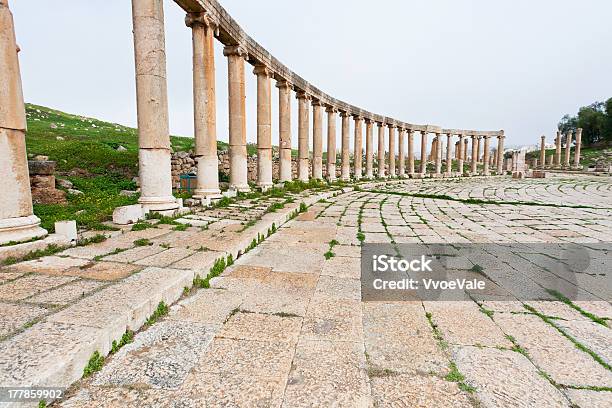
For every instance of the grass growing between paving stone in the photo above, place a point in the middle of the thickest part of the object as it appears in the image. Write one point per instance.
(455, 376)
(330, 254)
(571, 304)
(51, 249)
(161, 311)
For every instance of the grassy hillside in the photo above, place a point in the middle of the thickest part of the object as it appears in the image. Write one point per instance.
(588, 155)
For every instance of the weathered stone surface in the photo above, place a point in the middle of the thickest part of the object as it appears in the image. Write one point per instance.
(31, 285)
(588, 398)
(261, 327)
(128, 214)
(13, 317)
(67, 293)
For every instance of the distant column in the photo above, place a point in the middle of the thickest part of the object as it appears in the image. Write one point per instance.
(331, 143)
(478, 149)
(543, 152)
(317, 140)
(17, 219)
(410, 152)
(391, 150)
(485, 156)
(438, 157)
(474, 155)
(500, 154)
(577, 149)
(346, 157)
(369, 149)
(152, 106)
(423, 152)
(284, 131)
(558, 150)
(460, 155)
(237, 117)
(433, 151)
(358, 147)
(568, 148)
(303, 135)
(264, 127)
(401, 157)
(449, 155)
(204, 105)
(381, 150)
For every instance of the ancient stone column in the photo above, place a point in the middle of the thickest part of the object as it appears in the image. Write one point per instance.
(17, 219)
(460, 155)
(485, 156)
(391, 150)
(449, 155)
(303, 135)
(568, 148)
(284, 130)
(577, 148)
(410, 153)
(549, 160)
(204, 106)
(558, 150)
(358, 147)
(474, 162)
(237, 117)
(401, 157)
(423, 152)
(478, 145)
(433, 151)
(500, 154)
(369, 149)
(346, 157)
(331, 143)
(543, 152)
(381, 150)
(152, 106)
(438, 157)
(317, 140)
(264, 127)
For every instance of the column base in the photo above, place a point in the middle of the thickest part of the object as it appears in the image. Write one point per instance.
(265, 186)
(211, 193)
(20, 229)
(158, 203)
(241, 188)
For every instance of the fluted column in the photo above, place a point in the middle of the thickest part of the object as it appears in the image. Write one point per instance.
(346, 157)
(433, 151)
(284, 131)
(17, 219)
(303, 135)
(423, 153)
(410, 153)
(369, 149)
(558, 150)
(500, 154)
(317, 140)
(460, 154)
(204, 109)
(568, 148)
(381, 150)
(577, 148)
(438, 157)
(152, 106)
(474, 161)
(358, 147)
(331, 143)
(485, 156)
(391, 150)
(543, 152)
(401, 157)
(449, 155)
(264, 127)
(237, 117)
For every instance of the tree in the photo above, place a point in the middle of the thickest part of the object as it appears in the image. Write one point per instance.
(607, 127)
(592, 119)
(568, 123)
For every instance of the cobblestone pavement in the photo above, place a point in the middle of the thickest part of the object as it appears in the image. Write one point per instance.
(285, 324)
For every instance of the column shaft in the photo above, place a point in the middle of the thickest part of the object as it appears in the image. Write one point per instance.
(391, 151)
(401, 157)
(485, 156)
(410, 152)
(423, 153)
(478, 149)
(438, 156)
(500, 154)
(543, 152)
(460, 155)
(449, 157)
(568, 148)
(358, 147)
(346, 166)
(237, 118)
(317, 140)
(331, 144)
(152, 106)
(474, 161)
(558, 149)
(578, 146)
(284, 131)
(369, 149)
(17, 219)
(303, 136)
(264, 127)
(381, 150)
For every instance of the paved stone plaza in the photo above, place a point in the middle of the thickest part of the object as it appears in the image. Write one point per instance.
(284, 326)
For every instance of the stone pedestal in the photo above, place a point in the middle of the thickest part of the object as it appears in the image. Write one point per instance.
(284, 130)
(237, 118)
(317, 140)
(204, 106)
(358, 147)
(303, 135)
(410, 153)
(346, 166)
(391, 150)
(152, 106)
(264, 128)
(423, 153)
(381, 149)
(369, 149)
(331, 143)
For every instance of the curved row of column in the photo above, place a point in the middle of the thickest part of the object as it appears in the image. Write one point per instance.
(554, 160)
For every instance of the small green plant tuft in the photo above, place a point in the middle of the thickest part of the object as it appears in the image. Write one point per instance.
(94, 364)
(142, 225)
(162, 310)
(142, 242)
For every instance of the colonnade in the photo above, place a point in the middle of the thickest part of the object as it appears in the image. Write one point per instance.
(557, 162)
(209, 23)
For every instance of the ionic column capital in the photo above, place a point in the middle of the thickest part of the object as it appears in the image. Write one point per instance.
(302, 95)
(235, 50)
(317, 102)
(201, 18)
(380, 124)
(344, 114)
(357, 118)
(391, 126)
(331, 109)
(368, 121)
(261, 69)
(284, 84)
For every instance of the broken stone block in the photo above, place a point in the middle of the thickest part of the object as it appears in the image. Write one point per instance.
(67, 229)
(128, 214)
(41, 167)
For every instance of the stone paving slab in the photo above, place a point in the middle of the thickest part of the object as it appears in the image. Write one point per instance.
(15, 316)
(31, 285)
(67, 293)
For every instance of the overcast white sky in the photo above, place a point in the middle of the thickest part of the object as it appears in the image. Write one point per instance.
(475, 64)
